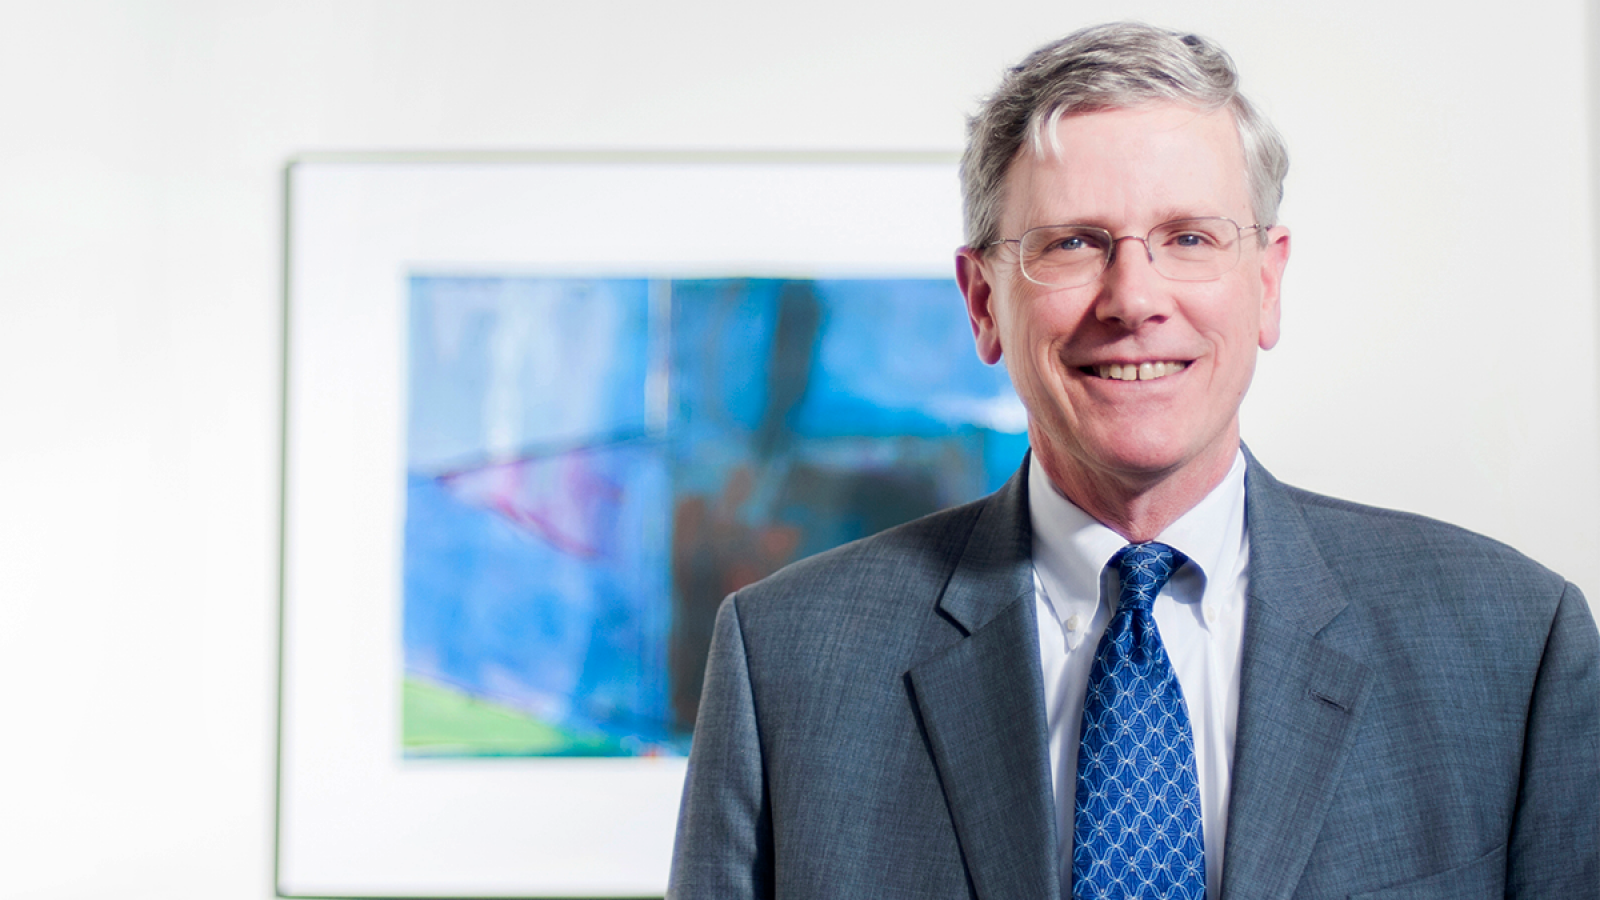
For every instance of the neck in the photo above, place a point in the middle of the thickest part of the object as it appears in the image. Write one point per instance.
(1137, 506)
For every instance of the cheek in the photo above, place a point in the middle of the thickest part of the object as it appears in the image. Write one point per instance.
(1239, 346)
(1231, 321)
(1043, 318)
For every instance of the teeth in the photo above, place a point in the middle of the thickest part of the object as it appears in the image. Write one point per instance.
(1148, 371)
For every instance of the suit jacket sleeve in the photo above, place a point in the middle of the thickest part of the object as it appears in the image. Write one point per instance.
(724, 842)
(1555, 843)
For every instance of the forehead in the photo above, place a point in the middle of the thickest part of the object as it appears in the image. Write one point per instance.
(1130, 168)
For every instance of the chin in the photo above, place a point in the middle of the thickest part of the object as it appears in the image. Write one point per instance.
(1136, 447)
(1151, 464)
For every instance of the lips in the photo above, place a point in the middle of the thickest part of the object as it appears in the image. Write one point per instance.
(1142, 371)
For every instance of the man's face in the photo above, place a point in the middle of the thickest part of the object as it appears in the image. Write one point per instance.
(1128, 171)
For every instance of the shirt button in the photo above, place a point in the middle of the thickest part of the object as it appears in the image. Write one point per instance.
(1073, 622)
(1211, 616)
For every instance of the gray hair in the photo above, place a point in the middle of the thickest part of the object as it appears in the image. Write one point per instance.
(1105, 67)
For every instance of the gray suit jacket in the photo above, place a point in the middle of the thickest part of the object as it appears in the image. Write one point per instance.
(1419, 717)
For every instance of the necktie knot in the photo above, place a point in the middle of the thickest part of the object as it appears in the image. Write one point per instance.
(1144, 570)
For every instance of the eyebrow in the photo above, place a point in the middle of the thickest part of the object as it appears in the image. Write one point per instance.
(1170, 214)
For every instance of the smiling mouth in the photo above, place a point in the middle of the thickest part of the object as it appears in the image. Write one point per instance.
(1145, 371)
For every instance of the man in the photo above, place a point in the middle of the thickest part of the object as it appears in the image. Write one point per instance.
(1144, 668)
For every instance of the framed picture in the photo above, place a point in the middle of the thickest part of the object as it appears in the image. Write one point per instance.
(542, 414)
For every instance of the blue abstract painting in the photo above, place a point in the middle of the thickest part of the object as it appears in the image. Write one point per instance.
(593, 464)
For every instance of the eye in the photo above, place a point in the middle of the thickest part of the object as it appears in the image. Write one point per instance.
(1072, 242)
(1199, 235)
(1063, 255)
(1192, 239)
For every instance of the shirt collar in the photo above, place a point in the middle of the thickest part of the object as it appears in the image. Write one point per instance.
(1071, 549)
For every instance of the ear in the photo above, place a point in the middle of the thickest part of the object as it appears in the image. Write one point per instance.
(972, 276)
(1274, 257)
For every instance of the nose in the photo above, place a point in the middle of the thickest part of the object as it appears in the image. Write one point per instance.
(1131, 291)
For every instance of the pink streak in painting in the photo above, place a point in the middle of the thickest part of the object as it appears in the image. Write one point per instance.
(564, 500)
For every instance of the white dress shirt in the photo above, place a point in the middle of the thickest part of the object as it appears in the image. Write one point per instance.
(1200, 615)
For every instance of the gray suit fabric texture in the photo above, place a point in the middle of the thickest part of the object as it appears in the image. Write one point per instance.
(1419, 717)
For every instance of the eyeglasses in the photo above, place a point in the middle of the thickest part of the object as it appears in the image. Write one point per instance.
(1063, 256)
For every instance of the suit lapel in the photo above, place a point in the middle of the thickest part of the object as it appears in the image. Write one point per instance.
(1299, 701)
(981, 701)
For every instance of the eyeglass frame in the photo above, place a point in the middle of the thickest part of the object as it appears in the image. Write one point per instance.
(1110, 255)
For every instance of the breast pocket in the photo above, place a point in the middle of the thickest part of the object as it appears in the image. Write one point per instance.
(1484, 877)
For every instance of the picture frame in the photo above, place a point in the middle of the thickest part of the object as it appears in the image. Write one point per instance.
(358, 815)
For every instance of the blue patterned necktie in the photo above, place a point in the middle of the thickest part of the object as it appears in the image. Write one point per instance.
(1136, 827)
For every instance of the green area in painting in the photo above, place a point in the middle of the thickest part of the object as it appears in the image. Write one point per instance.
(441, 721)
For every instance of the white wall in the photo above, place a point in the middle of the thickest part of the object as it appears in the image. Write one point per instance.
(1440, 198)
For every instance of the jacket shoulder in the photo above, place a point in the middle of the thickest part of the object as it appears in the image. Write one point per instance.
(1367, 543)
